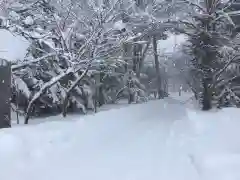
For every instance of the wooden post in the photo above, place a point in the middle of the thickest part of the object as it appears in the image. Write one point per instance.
(5, 94)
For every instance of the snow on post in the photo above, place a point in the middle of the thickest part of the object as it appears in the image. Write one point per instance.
(12, 48)
(5, 93)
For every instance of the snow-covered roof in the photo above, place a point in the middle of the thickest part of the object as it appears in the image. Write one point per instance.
(12, 47)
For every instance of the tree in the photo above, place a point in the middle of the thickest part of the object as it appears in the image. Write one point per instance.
(61, 47)
(82, 53)
(209, 34)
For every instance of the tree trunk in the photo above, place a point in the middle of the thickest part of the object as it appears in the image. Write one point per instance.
(101, 99)
(159, 82)
(196, 96)
(134, 67)
(137, 50)
(141, 59)
(125, 55)
(206, 96)
(165, 81)
(130, 98)
(130, 93)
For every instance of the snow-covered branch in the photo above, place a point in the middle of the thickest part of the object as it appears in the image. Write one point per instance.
(29, 62)
(43, 90)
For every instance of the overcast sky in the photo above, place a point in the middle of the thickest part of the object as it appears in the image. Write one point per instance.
(167, 46)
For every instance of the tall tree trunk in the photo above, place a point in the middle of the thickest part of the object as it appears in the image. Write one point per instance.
(165, 81)
(135, 54)
(137, 51)
(125, 55)
(159, 81)
(101, 99)
(130, 86)
(141, 59)
(207, 95)
(98, 97)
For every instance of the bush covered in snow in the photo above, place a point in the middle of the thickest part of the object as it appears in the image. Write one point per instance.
(85, 54)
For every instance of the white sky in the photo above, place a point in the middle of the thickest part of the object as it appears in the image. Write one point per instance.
(167, 46)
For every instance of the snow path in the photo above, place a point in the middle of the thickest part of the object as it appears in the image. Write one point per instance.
(141, 142)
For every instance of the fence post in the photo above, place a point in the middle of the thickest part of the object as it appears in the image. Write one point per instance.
(5, 94)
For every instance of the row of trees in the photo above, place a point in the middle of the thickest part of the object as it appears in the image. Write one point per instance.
(89, 53)
(85, 54)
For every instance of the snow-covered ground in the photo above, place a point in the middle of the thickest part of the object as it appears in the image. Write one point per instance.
(162, 139)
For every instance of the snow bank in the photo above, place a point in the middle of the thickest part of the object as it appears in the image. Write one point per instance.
(12, 47)
(212, 143)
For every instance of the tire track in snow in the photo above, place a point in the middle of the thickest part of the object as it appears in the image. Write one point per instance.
(164, 156)
(179, 141)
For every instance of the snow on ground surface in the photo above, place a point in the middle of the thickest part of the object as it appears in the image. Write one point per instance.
(162, 139)
(70, 117)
